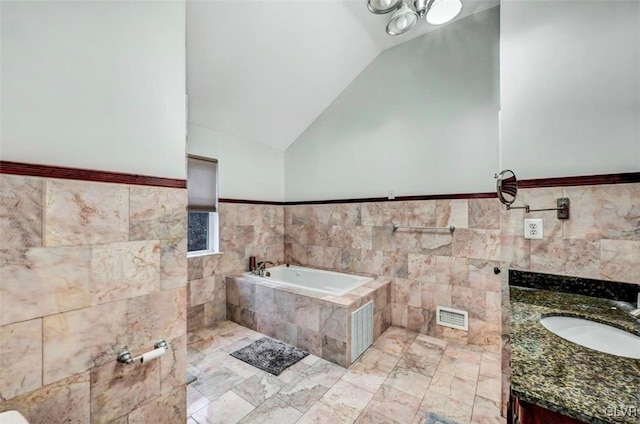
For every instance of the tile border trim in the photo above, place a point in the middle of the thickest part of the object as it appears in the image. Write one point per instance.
(50, 171)
(581, 180)
(584, 180)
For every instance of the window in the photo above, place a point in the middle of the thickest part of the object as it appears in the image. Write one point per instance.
(202, 189)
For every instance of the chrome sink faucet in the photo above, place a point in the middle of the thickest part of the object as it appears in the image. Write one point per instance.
(261, 267)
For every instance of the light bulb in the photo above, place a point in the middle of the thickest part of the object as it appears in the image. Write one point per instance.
(401, 23)
(443, 11)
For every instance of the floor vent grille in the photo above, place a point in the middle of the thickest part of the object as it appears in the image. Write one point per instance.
(453, 318)
(361, 330)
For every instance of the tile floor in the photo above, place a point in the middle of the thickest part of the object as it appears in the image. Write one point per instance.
(398, 380)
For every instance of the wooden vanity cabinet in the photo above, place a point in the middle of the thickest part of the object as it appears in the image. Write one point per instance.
(527, 413)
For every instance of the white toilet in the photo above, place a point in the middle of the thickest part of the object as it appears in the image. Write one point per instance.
(12, 417)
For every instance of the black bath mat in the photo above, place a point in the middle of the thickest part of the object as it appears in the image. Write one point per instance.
(433, 418)
(270, 355)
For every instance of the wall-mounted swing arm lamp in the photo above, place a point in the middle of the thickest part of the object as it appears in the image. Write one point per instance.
(406, 15)
(507, 189)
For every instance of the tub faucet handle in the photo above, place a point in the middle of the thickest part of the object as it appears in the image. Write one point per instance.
(261, 267)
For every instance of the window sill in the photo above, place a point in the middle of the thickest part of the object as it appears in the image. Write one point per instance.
(202, 253)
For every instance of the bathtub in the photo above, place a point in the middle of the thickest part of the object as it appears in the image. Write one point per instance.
(328, 314)
(317, 280)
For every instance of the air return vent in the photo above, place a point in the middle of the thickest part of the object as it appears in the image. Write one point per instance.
(361, 330)
(453, 318)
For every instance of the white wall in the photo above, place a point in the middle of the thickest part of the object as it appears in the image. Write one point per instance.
(570, 87)
(97, 84)
(246, 170)
(422, 118)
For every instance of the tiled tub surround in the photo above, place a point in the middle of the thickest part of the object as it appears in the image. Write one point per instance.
(427, 268)
(245, 230)
(318, 323)
(565, 377)
(86, 269)
(601, 241)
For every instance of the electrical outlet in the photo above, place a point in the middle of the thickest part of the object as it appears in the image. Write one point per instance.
(533, 229)
(392, 194)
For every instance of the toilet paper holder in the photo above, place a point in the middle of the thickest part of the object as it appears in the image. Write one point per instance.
(125, 357)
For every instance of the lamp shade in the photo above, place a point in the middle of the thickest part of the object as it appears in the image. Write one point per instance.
(382, 6)
(402, 21)
(442, 11)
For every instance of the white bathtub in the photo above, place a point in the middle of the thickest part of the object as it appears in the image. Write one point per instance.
(317, 280)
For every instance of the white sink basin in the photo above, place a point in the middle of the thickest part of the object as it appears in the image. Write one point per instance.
(594, 335)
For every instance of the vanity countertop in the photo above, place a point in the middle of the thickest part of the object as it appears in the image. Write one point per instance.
(562, 376)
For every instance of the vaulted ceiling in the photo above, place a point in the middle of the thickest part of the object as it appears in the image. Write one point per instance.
(264, 70)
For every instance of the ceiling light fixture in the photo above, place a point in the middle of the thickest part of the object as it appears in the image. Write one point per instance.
(405, 16)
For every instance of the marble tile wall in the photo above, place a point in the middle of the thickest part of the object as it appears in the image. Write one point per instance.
(427, 268)
(86, 269)
(245, 230)
(601, 240)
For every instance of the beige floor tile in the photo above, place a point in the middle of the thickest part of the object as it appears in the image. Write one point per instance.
(394, 404)
(218, 342)
(408, 381)
(310, 359)
(424, 339)
(424, 363)
(258, 388)
(323, 372)
(211, 362)
(302, 394)
(452, 386)
(446, 406)
(423, 356)
(272, 411)
(420, 417)
(459, 367)
(217, 383)
(195, 400)
(322, 414)
(396, 381)
(490, 364)
(468, 353)
(227, 409)
(193, 370)
(489, 388)
(241, 368)
(371, 417)
(347, 399)
(428, 345)
(194, 354)
(486, 411)
(366, 377)
(232, 347)
(294, 370)
(395, 341)
(376, 358)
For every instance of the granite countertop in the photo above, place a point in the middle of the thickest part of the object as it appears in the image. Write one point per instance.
(562, 376)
